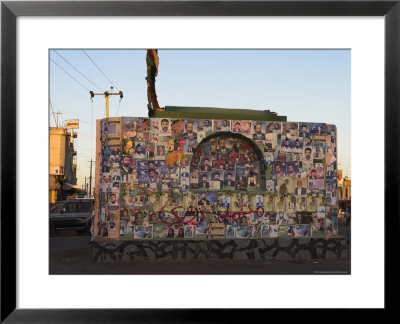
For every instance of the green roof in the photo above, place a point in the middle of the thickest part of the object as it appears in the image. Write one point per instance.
(217, 113)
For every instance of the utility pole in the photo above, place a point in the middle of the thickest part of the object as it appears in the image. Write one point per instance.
(107, 95)
(85, 186)
(90, 177)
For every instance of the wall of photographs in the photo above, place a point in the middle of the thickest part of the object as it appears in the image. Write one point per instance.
(215, 179)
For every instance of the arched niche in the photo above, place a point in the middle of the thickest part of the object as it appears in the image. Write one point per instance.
(225, 157)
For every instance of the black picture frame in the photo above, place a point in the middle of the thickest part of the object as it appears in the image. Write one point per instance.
(10, 10)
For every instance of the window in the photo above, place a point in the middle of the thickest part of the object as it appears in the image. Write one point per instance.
(70, 207)
(56, 207)
(84, 207)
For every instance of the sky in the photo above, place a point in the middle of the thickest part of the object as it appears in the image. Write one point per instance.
(304, 85)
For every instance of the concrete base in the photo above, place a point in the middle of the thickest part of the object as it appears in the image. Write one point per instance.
(264, 249)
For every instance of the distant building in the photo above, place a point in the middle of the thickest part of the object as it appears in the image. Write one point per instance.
(62, 164)
(344, 189)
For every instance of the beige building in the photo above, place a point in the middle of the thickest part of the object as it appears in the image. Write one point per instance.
(344, 189)
(62, 164)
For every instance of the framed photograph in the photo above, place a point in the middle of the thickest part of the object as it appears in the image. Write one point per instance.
(30, 29)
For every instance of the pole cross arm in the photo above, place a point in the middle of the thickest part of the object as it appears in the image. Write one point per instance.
(106, 95)
(115, 94)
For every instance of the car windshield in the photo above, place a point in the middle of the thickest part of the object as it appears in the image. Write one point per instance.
(55, 207)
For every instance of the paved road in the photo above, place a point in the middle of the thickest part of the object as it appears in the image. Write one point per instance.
(72, 254)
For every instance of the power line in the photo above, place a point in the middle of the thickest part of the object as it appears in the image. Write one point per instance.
(118, 107)
(101, 71)
(91, 139)
(69, 75)
(78, 70)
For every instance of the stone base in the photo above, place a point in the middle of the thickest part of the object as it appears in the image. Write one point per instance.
(278, 249)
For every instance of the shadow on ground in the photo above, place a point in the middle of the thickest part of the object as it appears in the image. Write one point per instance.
(73, 254)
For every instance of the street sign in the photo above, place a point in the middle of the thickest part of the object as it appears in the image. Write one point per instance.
(72, 124)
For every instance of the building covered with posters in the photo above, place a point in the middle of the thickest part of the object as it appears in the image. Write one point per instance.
(193, 176)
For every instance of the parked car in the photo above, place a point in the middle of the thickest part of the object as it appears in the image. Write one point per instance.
(72, 214)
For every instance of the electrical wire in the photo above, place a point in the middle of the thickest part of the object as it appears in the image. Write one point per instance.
(78, 71)
(101, 71)
(52, 110)
(69, 75)
(118, 108)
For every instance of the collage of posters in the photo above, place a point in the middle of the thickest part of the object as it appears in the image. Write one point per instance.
(216, 179)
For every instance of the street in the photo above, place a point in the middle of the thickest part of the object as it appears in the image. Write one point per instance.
(71, 253)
